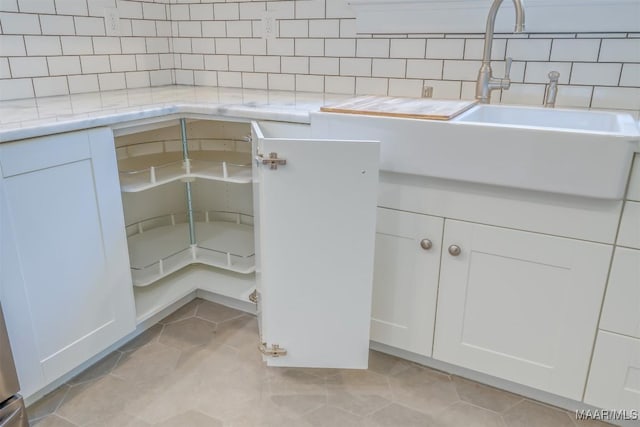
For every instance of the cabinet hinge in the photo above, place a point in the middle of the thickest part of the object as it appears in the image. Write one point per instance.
(273, 161)
(274, 351)
(253, 296)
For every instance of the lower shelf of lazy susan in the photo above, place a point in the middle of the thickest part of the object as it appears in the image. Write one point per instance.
(158, 252)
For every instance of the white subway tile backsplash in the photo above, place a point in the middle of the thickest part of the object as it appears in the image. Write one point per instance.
(524, 94)
(158, 44)
(180, 45)
(192, 62)
(205, 78)
(150, 62)
(372, 48)
(355, 66)
(340, 47)
(294, 64)
(403, 87)
(189, 29)
(15, 89)
(83, 83)
(630, 75)
(310, 9)
(137, 79)
(538, 72)
(121, 63)
(28, 67)
(348, 28)
(88, 26)
(96, 7)
(226, 11)
(324, 66)
(201, 12)
(529, 49)
(424, 68)
(228, 46)
(214, 29)
(19, 23)
(216, 62)
(203, 46)
(76, 45)
(280, 9)
(57, 25)
(184, 77)
(408, 48)
(155, 11)
(43, 45)
(339, 9)
(324, 28)
(239, 29)
(290, 28)
(179, 12)
(371, 86)
(585, 50)
(63, 65)
(10, 5)
(12, 46)
(160, 77)
(445, 48)
(36, 6)
(229, 79)
(282, 82)
(468, 90)
(460, 70)
(133, 45)
(141, 27)
(254, 80)
(266, 64)
(253, 46)
(388, 67)
(474, 49)
(443, 89)
(129, 9)
(50, 86)
(5, 71)
(616, 97)
(309, 47)
(71, 7)
(95, 64)
(106, 45)
(574, 96)
(306, 83)
(602, 73)
(112, 81)
(166, 61)
(253, 10)
(620, 50)
(340, 84)
(240, 63)
(163, 29)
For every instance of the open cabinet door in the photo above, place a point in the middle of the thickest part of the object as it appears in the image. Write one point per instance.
(315, 234)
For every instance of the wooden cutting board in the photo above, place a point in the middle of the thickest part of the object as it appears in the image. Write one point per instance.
(415, 108)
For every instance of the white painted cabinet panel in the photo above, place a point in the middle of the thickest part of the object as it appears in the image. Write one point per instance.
(520, 306)
(621, 312)
(315, 230)
(634, 184)
(614, 379)
(629, 233)
(405, 285)
(64, 213)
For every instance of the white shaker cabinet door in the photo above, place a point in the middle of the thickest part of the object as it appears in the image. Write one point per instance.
(315, 235)
(68, 270)
(405, 280)
(520, 306)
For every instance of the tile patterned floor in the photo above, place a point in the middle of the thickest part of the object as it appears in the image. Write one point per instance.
(199, 367)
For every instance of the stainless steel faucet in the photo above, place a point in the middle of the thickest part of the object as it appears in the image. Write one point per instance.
(552, 89)
(486, 81)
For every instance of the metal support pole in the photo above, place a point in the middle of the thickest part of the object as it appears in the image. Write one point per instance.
(185, 155)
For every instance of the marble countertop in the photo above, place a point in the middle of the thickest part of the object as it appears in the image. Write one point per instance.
(27, 118)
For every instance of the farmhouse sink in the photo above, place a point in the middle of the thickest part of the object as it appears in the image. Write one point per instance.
(573, 152)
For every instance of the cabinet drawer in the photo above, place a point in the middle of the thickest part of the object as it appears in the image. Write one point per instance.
(629, 234)
(621, 311)
(634, 184)
(614, 380)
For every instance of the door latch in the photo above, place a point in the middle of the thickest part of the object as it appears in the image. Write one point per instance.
(273, 161)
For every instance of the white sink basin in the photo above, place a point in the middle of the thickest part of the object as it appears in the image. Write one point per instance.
(547, 118)
(574, 152)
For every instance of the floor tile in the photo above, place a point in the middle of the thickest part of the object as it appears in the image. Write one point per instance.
(291, 380)
(485, 396)
(147, 365)
(53, 421)
(48, 404)
(385, 364)
(533, 414)
(360, 382)
(185, 312)
(428, 396)
(99, 369)
(299, 404)
(191, 419)
(188, 332)
(361, 404)
(467, 415)
(396, 415)
(332, 417)
(147, 337)
(216, 312)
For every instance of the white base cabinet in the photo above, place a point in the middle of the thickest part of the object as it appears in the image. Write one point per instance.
(520, 306)
(66, 287)
(614, 380)
(405, 286)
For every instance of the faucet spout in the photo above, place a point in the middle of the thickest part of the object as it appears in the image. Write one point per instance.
(486, 81)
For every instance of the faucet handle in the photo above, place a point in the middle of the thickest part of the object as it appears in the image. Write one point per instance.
(553, 76)
(507, 68)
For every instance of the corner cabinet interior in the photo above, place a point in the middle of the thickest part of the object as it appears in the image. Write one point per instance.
(255, 212)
